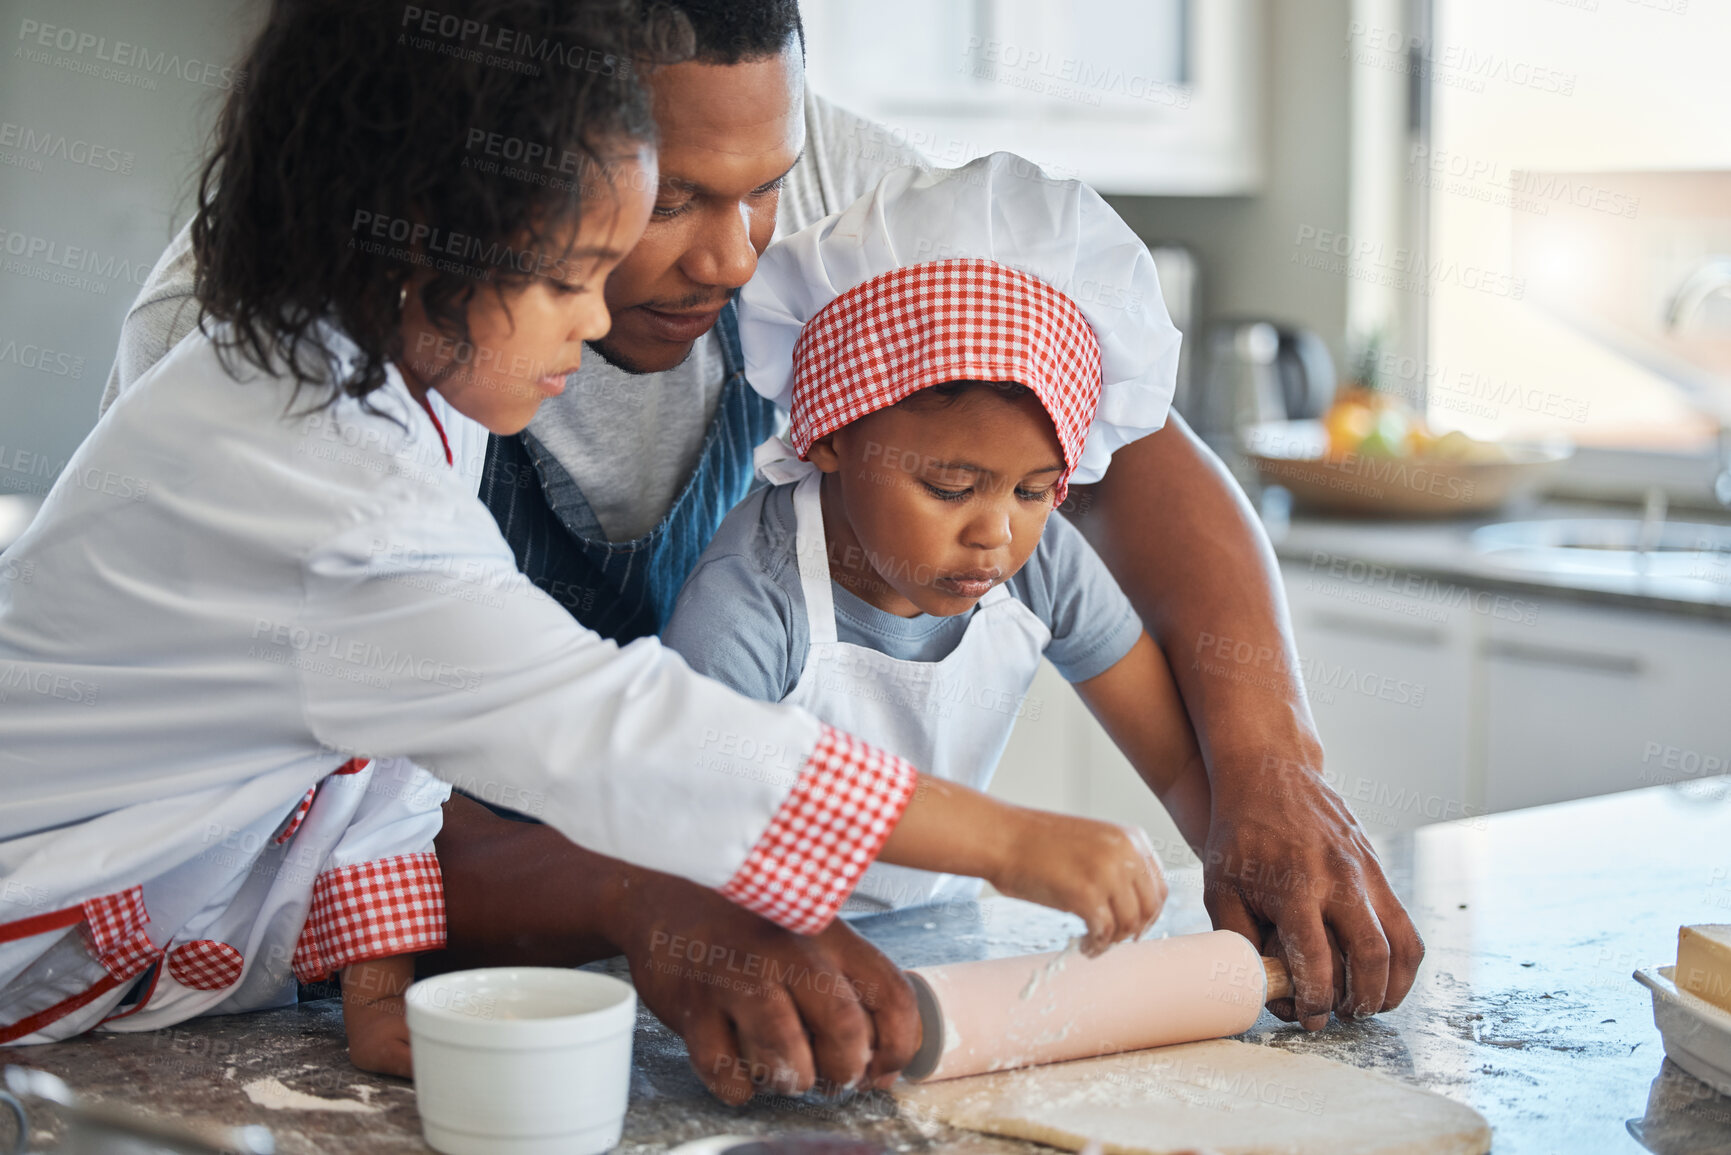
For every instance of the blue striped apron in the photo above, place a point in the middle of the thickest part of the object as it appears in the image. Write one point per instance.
(626, 590)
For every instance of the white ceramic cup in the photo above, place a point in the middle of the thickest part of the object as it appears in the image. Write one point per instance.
(522, 1060)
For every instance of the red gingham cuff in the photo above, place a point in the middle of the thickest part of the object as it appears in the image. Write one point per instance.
(848, 798)
(389, 906)
(115, 925)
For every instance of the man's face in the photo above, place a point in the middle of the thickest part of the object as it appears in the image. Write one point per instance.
(729, 133)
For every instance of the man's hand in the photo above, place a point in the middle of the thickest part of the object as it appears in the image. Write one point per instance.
(758, 1006)
(763, 1008)
(1284, 863)
(1288, 867)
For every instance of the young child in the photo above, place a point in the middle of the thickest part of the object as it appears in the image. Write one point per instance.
(954, 350)
(268, 620)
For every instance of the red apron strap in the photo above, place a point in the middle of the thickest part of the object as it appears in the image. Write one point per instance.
(437, 424)
(41, 924)
(35, 1022)
(117, 940)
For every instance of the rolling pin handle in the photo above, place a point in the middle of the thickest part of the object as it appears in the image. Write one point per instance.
(1279, 982)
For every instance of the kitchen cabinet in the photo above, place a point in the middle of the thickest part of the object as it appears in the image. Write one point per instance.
(1151, 97)
(1436, 700)
(1529, 699)
(1590, 700)
(1386, 663)
(1388, 677)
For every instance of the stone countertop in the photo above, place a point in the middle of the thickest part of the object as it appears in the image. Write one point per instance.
(1524, 1007)
(1443, 549)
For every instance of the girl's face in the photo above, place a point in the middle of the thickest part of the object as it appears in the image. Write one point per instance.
(527, 337)
(927, 507)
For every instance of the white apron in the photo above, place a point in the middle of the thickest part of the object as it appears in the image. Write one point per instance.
(951, 718)
(225, 927)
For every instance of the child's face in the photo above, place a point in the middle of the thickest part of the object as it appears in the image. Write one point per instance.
(930, 505)
(528, 337)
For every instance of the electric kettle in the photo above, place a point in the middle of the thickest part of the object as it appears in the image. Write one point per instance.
(1260, 370)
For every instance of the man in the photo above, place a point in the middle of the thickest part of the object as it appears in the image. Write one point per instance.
(615, 488)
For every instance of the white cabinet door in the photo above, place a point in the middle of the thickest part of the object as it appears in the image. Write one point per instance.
(1436, 701)
(1388, 674)
(1386, 659)
(1588, 700)
(1132, 96)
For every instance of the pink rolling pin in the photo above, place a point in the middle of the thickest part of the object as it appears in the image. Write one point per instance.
(1045, 1008)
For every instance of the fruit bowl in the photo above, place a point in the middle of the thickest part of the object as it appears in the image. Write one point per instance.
(1481, 476)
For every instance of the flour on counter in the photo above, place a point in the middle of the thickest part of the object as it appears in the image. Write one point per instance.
(272, 1095)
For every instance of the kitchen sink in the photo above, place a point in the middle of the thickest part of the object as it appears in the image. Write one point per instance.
(1613, 548)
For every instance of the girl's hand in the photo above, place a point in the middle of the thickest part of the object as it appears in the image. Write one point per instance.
(1105, 873)
(374, 1016)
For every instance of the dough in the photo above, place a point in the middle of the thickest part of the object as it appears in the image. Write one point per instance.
(1222, 1097)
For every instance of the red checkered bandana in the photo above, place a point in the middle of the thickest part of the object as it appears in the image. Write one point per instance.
(967, 319)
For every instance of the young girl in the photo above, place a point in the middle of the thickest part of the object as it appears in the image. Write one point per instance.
(267, 608)
(954, 350)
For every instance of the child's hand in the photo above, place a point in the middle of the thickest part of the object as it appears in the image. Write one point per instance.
(374, 1017)
(1105, 873)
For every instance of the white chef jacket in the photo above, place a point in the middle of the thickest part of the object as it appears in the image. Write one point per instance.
(233, 592)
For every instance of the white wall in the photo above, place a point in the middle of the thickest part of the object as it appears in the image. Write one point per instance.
(101, 132)
(122, 220)
(1246, 245)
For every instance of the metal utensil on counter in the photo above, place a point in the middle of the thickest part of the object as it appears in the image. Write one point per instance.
(108, 1129)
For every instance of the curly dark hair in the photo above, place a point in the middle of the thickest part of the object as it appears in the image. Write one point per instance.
(729, 31)
(366, 139)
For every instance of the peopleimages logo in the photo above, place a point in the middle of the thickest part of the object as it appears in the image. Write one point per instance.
(1075, 78)
(17, 677)
(88, 52)
(43, 144)
(497, 46)
(355, 660)
(43, 360)
(1406, 269)
(76, 261)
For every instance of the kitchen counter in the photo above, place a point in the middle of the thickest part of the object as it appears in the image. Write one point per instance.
(1524, 1007)
(1444, 550)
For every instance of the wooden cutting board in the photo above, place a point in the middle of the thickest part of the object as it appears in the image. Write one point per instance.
(1221, 1097)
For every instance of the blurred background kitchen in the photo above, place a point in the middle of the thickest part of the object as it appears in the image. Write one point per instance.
(1455, 283)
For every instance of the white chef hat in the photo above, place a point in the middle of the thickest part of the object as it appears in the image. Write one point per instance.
(994, 226)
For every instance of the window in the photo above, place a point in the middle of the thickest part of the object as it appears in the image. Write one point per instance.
(1578, 171)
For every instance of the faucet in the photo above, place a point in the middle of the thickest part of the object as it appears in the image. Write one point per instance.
(1722, 481)
(1709, 278)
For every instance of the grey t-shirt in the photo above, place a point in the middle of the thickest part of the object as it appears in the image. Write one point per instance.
(741, 617)
(630, 441)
